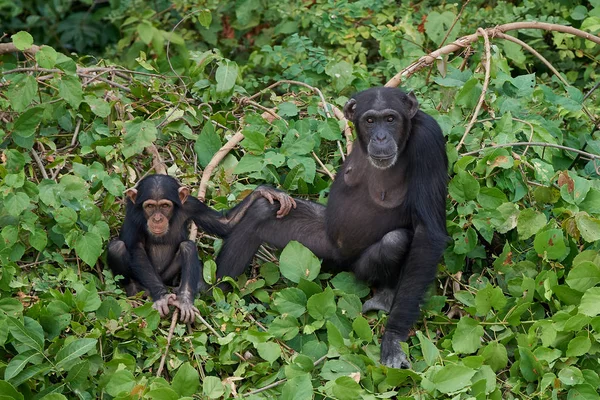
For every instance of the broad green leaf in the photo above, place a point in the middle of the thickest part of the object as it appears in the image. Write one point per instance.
(550, 244)
(571, 375)
(22, 40)
(68, 353)
(333, 369)
(207, 144)
(578, 346)
(21, 92)
(287, 109)
(249, 163)
(290, 301)
(463, 187)
(590, 302)
(254, 141)
(28, 333)
(574, 188)
(285, 328)
(205, 18)
(529, 223)
(467, 336)
(98, 106)
(139, 135)
(362, 328)
(491, 198)
(437, 26)
(322, 305)
(489, 297)
(297, 262)
(583, 276)
(146, 31)
(120, 382)
(26, 124)
(212, 387)
(297, 388)
(268, 351)
(589, 227)
(186, 381)
(530, 367)
(20, 361)
(88, 247)
(226, 76)
(65, 217)
(451, 378)
(86, 298)
(430, 352)
(46, 57)
(346, 388)
(7, 391)
(347, 283)
(293, 145)
(69, 89)
(583, 392)
(341, 74)
(495, 355)
(465, 241)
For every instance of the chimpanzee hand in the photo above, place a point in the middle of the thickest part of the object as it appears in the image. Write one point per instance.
(162, 305)
(286, 202)
(187, 310)
(391, 352)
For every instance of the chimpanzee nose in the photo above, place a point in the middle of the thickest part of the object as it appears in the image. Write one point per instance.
(380, 136)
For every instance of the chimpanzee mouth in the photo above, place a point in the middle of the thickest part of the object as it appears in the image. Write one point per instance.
(158, 232)
(383, 161)
(384, 157)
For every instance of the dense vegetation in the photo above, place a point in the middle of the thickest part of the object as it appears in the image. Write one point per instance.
(122, 88)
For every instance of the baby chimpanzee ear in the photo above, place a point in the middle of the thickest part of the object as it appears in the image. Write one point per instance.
(184, 192)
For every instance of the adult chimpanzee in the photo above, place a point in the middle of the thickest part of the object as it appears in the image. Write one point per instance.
(385, 218)
(153, 251)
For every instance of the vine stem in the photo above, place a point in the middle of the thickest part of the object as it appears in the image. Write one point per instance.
(486, 82)
(466, 41)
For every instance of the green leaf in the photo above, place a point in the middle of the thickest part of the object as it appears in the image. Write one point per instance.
(140, 134)
(588, 227)
(88, 247)
(590, 302)
(287, 109)
(22, 40)
(292, 145)
(98, 106)
(578, 346)
(298, 388)
(226, 76)
(341, 74)
(346, 388)
(207, 144)
(530, 367)
(529, 223)
(322, 305)
(268, 351)
(69, 89)
(186, 381)
(467, 337)
(146, 31)
(297, 262)
(333, 369)
(347, 283)
(362, 328)
(583, 392)
(463, 187)
(20, 361)
(583, 276)
(212, 387)
(121, 381)
(451, 378)
(46, 57)
(489, 297)
(16, 203)
(205, 18)
(28, 333)
(249, 163)
(430, 352)
(465, 241)
(491, 198)
(290, 301)
(27, 123)
(21, 92)
(68, 353)
(78, 374)
(7, 391)
(550, 244)
(437, 26)
(570, 376)
(284, 327)
(495, 355)
(65, 217)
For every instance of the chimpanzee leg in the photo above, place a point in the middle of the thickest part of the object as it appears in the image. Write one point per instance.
(305, 224)
(380, 266)
(191, 280)
(118, 259)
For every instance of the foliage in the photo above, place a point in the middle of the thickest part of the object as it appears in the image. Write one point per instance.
(515, 312)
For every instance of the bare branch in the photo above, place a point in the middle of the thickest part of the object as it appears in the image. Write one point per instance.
(169, 337)
(10, 48)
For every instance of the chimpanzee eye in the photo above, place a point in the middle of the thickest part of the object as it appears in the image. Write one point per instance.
(149, 206)
(390, 119)
(370, 120)
(165, 206)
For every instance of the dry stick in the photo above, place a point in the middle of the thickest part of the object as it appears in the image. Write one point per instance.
(486, 82)
(76, 133)
(169, 337)
(465, 41)
(279, 382)
(39, 162)
(157, 162)
(10, 48)
(347, 130)
(541, 144)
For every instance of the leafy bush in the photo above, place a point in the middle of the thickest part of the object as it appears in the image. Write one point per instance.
(515, 312)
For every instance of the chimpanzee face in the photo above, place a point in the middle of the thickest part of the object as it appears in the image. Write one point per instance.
(382, 117)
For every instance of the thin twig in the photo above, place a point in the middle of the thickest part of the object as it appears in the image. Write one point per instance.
(169, 337)
(39, 162)
(216, 159)
(279, 382)
(76, 133)
(537, 144)
(486, 82)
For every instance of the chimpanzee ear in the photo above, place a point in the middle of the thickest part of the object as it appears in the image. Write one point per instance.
(349, 109)
(184, 192)
(132, 194)
(413, 104)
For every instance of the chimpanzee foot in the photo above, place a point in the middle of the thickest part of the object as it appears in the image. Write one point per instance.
(162, 305)
(381, 300)
(391, 352)
(286, 202)
(187, 310)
